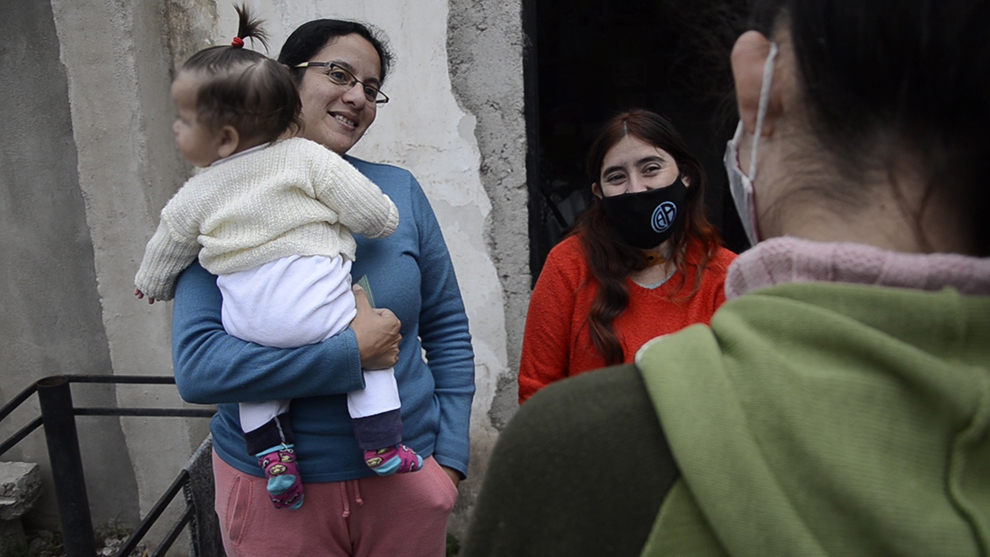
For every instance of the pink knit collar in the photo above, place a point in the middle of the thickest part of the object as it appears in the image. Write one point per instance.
(787, 259)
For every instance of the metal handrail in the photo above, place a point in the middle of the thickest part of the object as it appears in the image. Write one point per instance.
(58, 416)
(21, 434)
(131, 543)
(21, 397)
(17, 400)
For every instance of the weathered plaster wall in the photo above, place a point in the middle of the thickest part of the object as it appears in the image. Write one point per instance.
(117, 67)
(51, 308)
(484, 46)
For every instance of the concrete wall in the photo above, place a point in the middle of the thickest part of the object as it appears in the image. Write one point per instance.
(50, 304)
(115, 58)
(484, 45)
(90, 87)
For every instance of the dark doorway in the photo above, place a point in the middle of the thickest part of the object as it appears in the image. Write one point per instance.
(587, 60)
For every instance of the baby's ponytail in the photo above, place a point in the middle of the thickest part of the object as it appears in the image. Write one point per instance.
(244, 88)
(248, 27)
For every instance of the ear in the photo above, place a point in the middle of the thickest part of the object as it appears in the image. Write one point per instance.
(749, 56)
(228, 138)
(596, 190)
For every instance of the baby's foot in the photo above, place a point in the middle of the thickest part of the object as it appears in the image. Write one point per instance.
(391, 460)
(284, 484)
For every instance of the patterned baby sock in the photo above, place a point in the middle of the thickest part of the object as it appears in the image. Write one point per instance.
(391, 460)
(284, 483)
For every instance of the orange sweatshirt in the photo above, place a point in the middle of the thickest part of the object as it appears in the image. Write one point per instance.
(557, 342)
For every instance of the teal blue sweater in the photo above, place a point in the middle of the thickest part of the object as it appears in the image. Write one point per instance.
(411, 274)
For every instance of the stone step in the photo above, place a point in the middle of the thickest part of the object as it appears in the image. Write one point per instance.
(20, 487)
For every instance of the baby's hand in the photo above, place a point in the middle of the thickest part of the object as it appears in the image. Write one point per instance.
(140, 295)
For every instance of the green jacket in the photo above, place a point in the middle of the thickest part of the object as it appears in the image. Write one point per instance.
(810, 419)
(827, 419)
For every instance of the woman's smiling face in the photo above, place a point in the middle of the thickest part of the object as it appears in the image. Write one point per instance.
(333, 115)
(633, 166)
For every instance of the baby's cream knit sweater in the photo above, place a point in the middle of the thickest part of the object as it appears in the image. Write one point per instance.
(294, 197)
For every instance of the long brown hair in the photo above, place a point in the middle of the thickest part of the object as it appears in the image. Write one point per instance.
(611, 259)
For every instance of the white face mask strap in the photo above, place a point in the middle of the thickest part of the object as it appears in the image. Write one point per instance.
(761, 112)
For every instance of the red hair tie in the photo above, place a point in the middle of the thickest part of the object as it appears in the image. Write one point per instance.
(237, 42)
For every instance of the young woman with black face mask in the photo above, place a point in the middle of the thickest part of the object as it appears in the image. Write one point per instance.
(642, 262)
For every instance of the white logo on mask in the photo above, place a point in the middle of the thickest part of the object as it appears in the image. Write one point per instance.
(663, 216)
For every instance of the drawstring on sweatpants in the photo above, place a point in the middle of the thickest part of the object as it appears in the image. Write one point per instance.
(343, 496)
(281, 434)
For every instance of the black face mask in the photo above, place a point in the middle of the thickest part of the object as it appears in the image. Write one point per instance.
(646, 219)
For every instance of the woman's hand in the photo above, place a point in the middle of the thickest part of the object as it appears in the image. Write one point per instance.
(377, 333)
(455, 476)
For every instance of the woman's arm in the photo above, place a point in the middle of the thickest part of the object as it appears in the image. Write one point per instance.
(212, 367)
(443, 330)
(547, 337)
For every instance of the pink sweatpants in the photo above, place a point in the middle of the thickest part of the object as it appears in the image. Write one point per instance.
(403, 515)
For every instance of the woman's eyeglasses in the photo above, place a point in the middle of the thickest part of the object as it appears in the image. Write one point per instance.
(339, 75)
